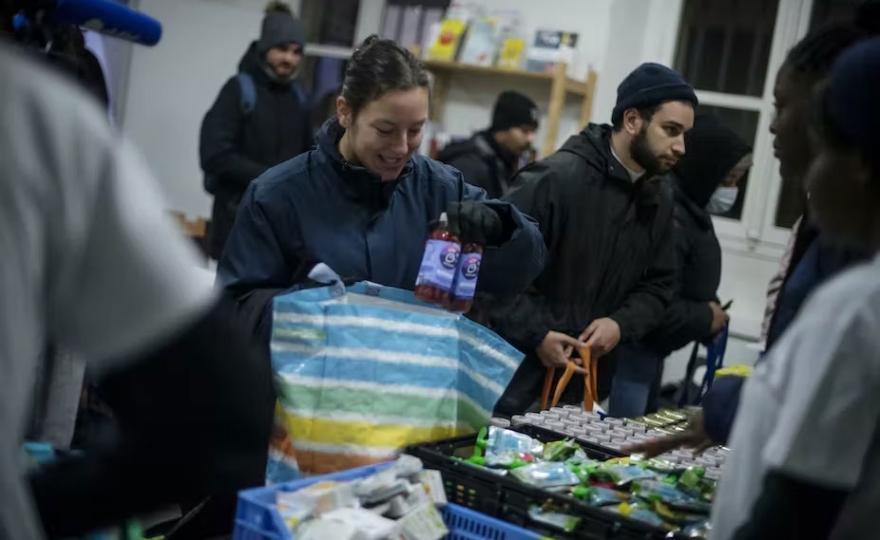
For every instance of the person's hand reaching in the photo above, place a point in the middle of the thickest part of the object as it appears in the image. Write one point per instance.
(601, 336)
(475, 222)
(694, 437)
(719, 317)
(555, 351)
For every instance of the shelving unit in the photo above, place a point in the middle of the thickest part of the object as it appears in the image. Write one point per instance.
(561, 85)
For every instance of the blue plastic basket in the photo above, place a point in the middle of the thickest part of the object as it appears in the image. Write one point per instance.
(258, 519)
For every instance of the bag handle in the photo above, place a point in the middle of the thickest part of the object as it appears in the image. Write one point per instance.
(588, 370)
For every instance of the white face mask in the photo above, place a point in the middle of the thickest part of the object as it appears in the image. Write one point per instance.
(722, 200)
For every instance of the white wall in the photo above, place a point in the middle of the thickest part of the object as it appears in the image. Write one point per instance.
(470, 99)
(172, 85)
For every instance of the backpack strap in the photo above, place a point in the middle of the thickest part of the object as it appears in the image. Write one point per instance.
(248, 92)
(300, 94)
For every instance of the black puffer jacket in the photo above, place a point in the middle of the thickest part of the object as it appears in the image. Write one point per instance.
(483, 162)
(236, 147)
(610, 254)
(712, 151)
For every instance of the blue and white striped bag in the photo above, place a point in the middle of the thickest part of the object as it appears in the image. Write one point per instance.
(365, 371)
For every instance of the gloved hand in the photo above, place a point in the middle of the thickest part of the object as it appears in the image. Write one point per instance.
(475, 222)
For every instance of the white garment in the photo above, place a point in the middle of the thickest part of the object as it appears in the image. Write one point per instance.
(811, 410)
(633, 175)
(88, 257)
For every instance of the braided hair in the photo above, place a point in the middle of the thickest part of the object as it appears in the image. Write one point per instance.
(815, 54)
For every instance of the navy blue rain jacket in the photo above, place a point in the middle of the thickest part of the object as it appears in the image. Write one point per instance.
(318, 207)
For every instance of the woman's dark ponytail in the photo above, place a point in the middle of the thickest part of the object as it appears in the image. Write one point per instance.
(379, 66)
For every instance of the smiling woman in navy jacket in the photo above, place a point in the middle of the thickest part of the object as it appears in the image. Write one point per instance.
(362, 201)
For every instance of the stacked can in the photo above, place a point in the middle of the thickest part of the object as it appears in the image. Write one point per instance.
(617, 434)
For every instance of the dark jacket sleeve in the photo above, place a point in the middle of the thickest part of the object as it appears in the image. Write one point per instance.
(219, 151)
(524, 319)
(475, 171)
(720, 405)
(254, 257)
(514, 265)
(644, 308)
(194, 418)
(685, 320)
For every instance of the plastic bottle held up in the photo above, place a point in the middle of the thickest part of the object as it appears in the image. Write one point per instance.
(439, 265)
(464, 286)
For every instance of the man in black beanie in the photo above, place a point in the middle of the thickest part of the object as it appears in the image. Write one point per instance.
(491, 157)
(606, 216)
(260, 119)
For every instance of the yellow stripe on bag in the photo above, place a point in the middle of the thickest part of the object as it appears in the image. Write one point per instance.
(365, 434)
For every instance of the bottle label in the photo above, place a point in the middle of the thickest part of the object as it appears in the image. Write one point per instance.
(439, 264)
(466, 278)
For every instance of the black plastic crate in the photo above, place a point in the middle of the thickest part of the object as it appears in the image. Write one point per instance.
(509, 499)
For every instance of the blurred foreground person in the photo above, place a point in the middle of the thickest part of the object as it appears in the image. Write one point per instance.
(92, 265)
(805, 459)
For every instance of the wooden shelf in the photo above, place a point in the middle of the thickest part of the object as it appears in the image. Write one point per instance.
(560, 86)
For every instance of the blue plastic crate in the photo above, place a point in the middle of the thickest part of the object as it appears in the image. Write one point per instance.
(258, 519)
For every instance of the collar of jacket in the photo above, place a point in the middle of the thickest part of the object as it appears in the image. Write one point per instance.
(593, 144)
(358, 183)
(507, 157)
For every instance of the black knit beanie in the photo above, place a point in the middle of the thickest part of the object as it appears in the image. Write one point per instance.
(513, 109)
(851, 96)
(651, 84)
(280, 28)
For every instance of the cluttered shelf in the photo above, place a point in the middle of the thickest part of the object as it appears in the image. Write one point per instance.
(571, 85)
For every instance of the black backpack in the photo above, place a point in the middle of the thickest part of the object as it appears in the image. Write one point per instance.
(248, 103)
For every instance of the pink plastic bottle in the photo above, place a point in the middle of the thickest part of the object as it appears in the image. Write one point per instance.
(465, 284)
(439, 264)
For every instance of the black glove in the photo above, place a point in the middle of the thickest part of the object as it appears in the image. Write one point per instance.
(475, 222)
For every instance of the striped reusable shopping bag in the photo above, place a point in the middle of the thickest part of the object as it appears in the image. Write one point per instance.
(366, 370)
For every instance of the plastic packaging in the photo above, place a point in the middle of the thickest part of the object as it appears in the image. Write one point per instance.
(464, 286)
(439, 265)
(600, 496)
(506, 448)
(546, 475)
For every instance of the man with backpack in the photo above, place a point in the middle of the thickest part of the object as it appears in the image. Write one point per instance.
(260, 119)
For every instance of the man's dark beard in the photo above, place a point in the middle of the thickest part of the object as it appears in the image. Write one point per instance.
(642, 154)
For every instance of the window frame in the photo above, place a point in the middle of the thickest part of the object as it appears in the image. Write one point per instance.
(756, 231)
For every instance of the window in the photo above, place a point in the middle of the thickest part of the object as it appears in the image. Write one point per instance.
(792, 200)
(724, 45)
(724, 51)
(730, 50)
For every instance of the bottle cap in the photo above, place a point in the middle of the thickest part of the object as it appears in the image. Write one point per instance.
(444, 219)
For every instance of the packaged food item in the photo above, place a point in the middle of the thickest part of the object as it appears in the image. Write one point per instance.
(317, 499)
(505, 447)
(433, 482)
(566, 522)
(519, 420)
(437, 271)
(560, 450)
(546, 475)
(624, 474)
(423, 523)
(600, 496)
(464, 286)
(653, 490)
(700, 530)
(639, 511)
(677, 517)
(368, 524)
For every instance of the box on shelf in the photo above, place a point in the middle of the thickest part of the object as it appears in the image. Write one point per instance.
(551, 47)
(481, 42)
(511, 54)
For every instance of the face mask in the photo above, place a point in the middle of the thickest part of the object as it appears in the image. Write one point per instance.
(722, 200)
